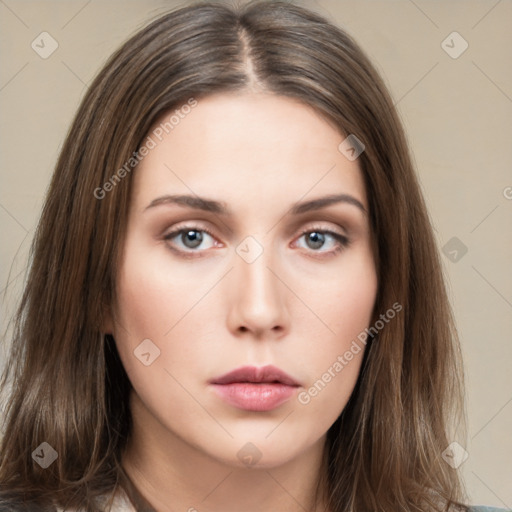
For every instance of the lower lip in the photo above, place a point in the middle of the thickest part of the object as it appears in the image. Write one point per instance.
(255, 397)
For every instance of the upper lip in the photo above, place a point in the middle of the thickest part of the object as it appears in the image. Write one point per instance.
(253, 374)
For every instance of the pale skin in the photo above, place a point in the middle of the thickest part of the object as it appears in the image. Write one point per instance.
(298, 305)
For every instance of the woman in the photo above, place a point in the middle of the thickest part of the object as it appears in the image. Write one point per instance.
(235, 301)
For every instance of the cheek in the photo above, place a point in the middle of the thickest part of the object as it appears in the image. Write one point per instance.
(153, 324)
(353, 300)
(146, 302)
(152, 305)
(345, 304)
(344, 299)
(153, 296)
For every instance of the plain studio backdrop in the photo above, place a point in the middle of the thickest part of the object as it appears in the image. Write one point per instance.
(447, 65)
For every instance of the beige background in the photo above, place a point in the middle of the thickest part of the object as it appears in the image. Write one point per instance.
(457, 113)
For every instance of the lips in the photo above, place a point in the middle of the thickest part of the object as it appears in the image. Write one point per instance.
(265, 374)
(255, 389)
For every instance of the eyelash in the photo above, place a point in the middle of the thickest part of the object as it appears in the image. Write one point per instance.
(342, 241)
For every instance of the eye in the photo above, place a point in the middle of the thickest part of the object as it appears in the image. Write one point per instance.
(190, 238)
(323, 241)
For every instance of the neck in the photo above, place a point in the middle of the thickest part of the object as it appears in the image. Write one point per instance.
(171, 474)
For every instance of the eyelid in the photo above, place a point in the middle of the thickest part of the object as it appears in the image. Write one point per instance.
(188, 226)
(317, 226)
(342, 240)
(192, 225)
(181, 228)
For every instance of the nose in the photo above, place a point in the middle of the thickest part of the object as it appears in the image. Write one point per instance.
(257, 299)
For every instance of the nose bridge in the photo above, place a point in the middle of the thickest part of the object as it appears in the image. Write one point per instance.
(257, 280)
(259, 298)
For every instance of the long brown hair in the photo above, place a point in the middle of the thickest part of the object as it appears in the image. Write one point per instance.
(69, 388)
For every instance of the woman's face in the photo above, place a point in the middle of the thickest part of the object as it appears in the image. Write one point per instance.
(235, 260)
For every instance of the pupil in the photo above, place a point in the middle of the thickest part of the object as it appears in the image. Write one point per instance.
(317, 239)
(192, 239)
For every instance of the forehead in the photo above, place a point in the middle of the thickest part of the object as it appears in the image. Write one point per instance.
(247, 145)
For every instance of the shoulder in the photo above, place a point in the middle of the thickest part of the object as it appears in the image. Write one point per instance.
(17, 502)
(14, 501)
(121, 503)
(487, 509)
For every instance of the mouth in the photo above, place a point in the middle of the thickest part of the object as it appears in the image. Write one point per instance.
(255, 389)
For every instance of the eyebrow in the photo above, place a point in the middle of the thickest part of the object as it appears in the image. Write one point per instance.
(219, 207)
